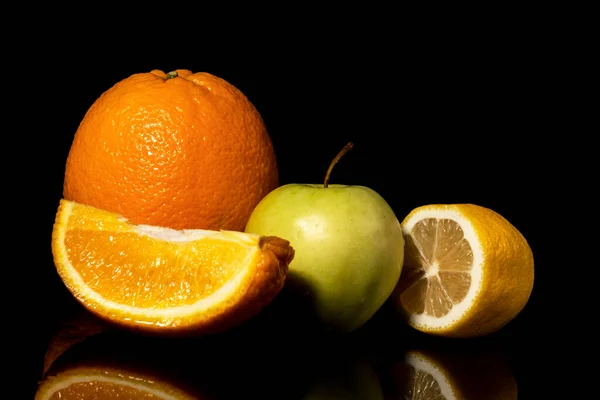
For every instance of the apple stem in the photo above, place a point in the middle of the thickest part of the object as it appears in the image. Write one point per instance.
(347, 147)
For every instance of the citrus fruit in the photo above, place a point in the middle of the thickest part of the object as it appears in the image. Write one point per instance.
(182, 150)
(101, 382)
(163, 280)
(424, 375)
(467, 270)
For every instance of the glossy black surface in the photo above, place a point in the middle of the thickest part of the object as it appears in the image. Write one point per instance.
(276, 356)
(447, 125)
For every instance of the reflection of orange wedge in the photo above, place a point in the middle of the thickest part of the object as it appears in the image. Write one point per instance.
(85, 359)
(424, 375)
(162, 280)
(222, 366)
(70, 332)
(101, 382)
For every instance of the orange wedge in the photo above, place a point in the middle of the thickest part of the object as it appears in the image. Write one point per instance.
(161, 280)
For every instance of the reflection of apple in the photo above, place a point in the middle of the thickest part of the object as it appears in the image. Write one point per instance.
(348, 242)
(345, 381)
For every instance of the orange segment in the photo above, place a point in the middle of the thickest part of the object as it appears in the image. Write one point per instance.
(160, 279)
(153, 273)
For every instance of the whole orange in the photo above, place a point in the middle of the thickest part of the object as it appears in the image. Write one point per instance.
(180, 150)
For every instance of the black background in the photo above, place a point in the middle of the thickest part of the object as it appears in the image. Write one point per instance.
(464, 115)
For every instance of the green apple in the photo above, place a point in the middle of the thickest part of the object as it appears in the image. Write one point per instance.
(348, 243)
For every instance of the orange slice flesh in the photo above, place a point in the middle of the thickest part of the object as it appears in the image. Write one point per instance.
(164, 280)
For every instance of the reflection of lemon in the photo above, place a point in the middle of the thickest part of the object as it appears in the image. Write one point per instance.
(467, 270)
(424, 375)
(101, 382)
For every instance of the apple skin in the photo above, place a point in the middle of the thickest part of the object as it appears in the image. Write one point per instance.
(349, 248)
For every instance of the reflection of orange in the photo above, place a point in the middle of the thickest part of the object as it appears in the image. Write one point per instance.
(163, 280)
(83, 363)
(181, 150)
(100, 382)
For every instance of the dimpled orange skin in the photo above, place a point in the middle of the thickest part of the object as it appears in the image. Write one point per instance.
(184, 152)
